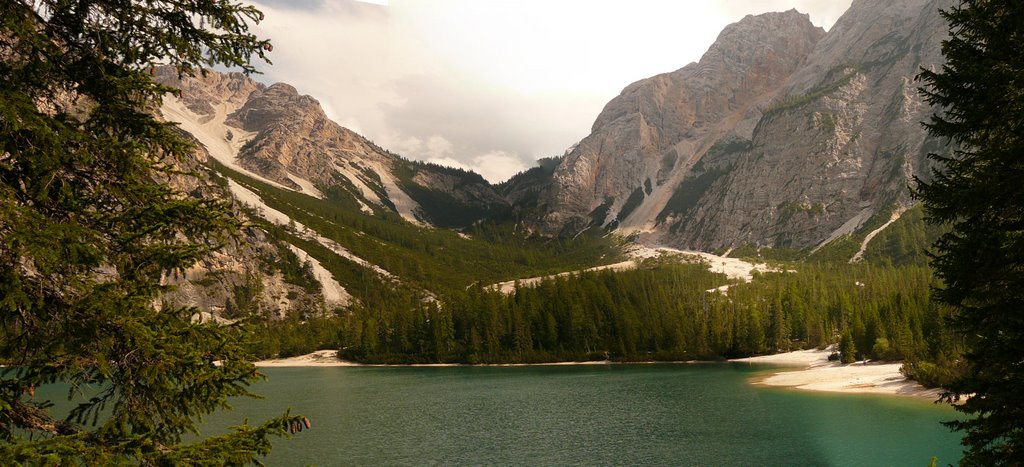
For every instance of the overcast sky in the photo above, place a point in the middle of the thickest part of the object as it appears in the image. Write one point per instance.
(489, 85)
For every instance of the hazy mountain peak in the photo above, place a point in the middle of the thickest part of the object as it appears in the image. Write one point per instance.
(652, 132)
(781, 135)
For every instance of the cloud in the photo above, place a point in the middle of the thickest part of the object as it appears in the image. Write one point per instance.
(476, 119)
(495, 166)
(491, 85)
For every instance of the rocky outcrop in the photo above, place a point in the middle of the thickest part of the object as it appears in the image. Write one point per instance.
(285, 138)
(782, 135)
(840, 143)
(295, 142)
(658, 128)
(204, 95)
(252, 273)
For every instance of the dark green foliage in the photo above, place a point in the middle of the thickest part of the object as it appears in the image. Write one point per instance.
(295, 271)
(905, 241)
(600, 214)
(668, 162)
(839, 250)
(977, 191)
(661, 312)
(722, 148)
(881, 349)
(689, 192)
(89, 225)
(295, 335)
(372, 181)
(345, 194)
(524, 188)
(432, 259)
(761, 254)
(933, 375)
(716, 162)
(539, 174)
(842, 249)
(442, 209)
(408, 169)
(847, 348)
(243, 300)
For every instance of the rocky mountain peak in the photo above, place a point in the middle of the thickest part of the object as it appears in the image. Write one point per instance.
(837, 146)
(745, 39)
(781, 135)
(276, 134)
(276, 104)
(207, 93)
(654, 129)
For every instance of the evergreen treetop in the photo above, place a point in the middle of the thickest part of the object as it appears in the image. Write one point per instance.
(977, 190)
(89, 224)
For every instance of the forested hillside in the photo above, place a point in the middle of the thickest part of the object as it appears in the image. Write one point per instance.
(663, 311)
(413, 246)
(379, 257)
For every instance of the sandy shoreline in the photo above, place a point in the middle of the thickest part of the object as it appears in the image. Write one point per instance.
(819, 374)
(815, 372)
(318, 358)
(326, 358)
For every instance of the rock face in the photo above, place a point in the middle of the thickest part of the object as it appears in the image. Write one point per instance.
(657, 128)
(252, 273)
(276, 134)
(782, 135)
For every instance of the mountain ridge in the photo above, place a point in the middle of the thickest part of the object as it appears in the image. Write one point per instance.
(834, 140)
(782, 135)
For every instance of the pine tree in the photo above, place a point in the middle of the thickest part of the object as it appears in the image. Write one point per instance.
(89, 225)
(847, 348)
(977, 190)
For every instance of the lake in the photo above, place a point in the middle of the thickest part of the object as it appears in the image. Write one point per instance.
(664, 414)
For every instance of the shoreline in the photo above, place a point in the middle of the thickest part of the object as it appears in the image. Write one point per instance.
(817, 373)
(329, 358)
(812, 371)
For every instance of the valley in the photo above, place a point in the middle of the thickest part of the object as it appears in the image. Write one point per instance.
(419, 263)
(472, 233)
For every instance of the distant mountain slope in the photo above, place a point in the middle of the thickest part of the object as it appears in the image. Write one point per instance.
(782, 136)
(649, 137)
(284, 138)
(254, 273)
(333, 221)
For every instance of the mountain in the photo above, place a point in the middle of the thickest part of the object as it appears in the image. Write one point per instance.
(332, 221)
(284, 138)
(782, 135)
(254, 272)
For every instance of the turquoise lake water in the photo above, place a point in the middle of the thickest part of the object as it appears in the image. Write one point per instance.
(685, 414)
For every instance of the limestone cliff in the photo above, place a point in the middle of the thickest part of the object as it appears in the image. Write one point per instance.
(252, 273)
(782, 135)
(285, 138)
(840, 143)
(656, 129)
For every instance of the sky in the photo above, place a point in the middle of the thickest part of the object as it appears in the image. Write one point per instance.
(489, 85)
